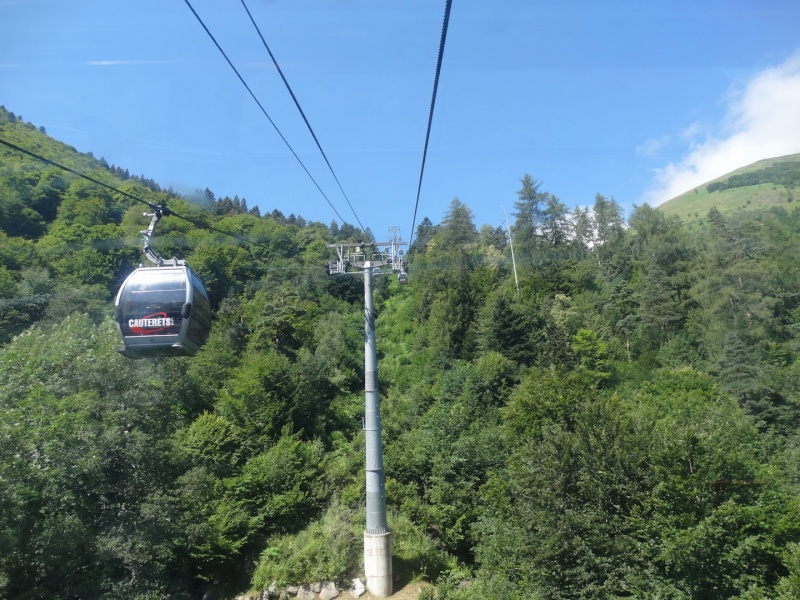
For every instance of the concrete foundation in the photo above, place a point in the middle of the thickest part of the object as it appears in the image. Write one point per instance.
(378, 563)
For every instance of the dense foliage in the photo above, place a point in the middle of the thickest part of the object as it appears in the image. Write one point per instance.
(623, 423)
(786, 174)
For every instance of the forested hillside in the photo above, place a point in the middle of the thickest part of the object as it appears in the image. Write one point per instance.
(623, 423)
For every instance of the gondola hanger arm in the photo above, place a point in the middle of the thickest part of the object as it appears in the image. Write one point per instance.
(147, 234)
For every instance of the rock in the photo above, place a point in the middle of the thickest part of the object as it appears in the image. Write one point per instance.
(305, 592)
(292, 590)
(329, 591)
(357, 588)
(316, 587)
(271, 593)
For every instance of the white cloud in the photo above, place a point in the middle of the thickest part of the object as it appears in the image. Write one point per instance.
(762, 121)
(653, 146)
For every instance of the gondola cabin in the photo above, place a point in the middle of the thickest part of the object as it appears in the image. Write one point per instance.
(162, 311)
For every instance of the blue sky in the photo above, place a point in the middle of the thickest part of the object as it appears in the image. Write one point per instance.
(636, 100)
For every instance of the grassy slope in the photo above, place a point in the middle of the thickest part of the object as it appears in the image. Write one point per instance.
(693, 206)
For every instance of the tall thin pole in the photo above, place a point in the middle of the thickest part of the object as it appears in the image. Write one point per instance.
(377, 537)
(511, 243)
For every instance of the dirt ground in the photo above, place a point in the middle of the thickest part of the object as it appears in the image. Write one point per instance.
(409, 592)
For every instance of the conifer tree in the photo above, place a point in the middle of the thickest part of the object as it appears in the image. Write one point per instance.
(658, 310)
(528, 213)
(555, 226)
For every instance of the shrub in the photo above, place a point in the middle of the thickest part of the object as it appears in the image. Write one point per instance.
(326, 550)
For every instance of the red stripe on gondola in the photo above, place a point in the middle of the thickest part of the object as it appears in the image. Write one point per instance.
(149, 330)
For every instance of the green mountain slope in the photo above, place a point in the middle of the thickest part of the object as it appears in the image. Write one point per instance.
(763, 184)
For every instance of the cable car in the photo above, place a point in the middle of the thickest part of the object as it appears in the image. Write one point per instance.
(402, 278)
(162, 310)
